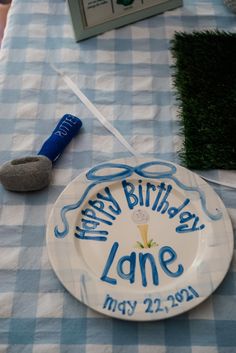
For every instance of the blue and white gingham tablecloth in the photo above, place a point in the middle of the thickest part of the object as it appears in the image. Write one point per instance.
(126, 73)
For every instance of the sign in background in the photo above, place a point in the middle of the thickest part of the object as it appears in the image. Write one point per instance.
(91, 17)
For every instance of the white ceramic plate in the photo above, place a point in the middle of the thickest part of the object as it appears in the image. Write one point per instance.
(139, 239)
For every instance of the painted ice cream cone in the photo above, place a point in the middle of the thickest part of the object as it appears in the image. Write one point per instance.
(143, 229)
(141, 218)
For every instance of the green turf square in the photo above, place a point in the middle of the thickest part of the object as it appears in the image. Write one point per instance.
(205, 82)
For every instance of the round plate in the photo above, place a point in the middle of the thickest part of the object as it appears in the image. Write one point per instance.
(139, 239)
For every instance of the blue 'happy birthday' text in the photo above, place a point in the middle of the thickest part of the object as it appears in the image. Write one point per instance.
(104, 209)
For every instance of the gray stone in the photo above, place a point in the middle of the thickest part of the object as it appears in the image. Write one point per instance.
(231, 5)
(26, 174)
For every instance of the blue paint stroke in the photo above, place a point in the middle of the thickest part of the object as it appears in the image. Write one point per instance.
(83, 289)
(169, 175)
(125, 172)
(91, 175)
(68, 208)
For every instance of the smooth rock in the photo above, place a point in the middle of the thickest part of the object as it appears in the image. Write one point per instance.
(26, 174)
(231, 5)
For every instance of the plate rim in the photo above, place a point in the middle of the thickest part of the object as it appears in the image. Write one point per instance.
(126, 160)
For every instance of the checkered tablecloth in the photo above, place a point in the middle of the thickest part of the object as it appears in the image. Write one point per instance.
(127, 74)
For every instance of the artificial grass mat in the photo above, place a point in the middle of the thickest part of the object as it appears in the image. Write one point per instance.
(205, 81)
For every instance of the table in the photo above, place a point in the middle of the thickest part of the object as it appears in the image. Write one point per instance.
(127, 74)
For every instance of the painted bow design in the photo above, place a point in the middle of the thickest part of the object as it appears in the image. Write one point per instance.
(125, 171)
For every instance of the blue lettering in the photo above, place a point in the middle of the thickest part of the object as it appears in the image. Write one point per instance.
(186, 216)
(140, 191)
(99, 206)
(164, 204)
(125, 307)
(115, 208)
(142, 260)
(131, 198)
(166, 257)
(81, 234)
(131, 311)
(108, 265)
(185, 228)
(164, 262)
(161, 188)
(122, 306)
(88, 224)
(173, 211)
(92, 214)
(110, 303)
(131, 259)
(149, 187)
